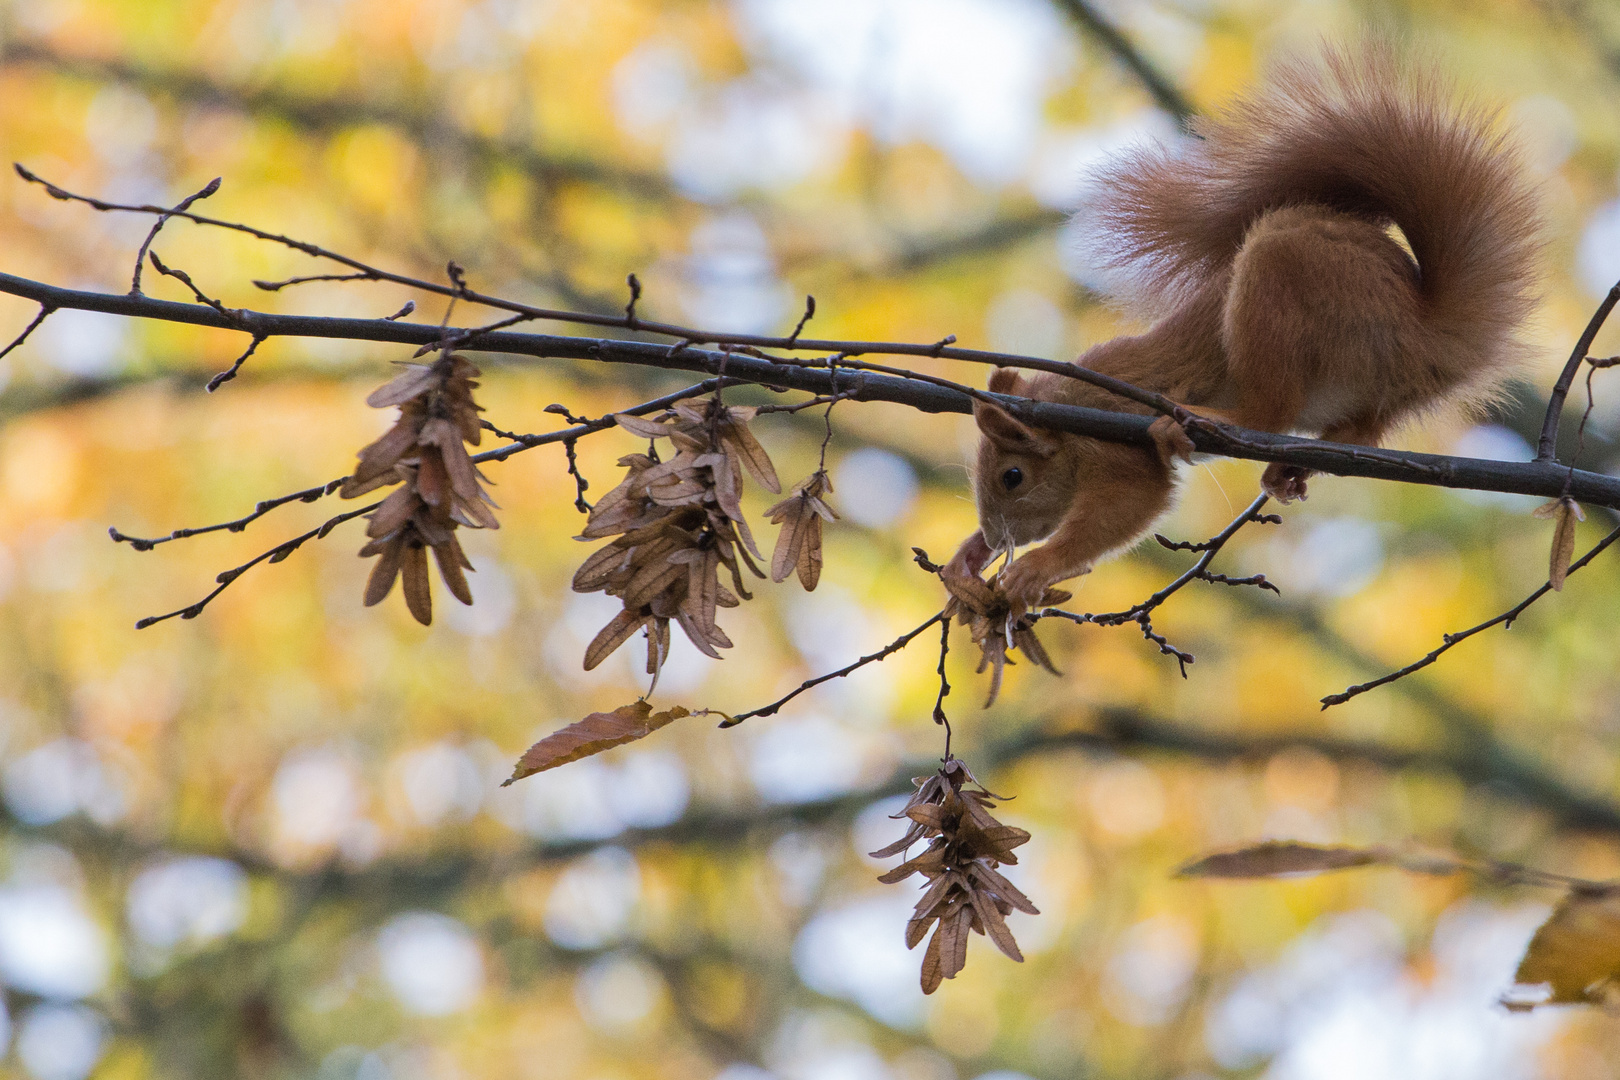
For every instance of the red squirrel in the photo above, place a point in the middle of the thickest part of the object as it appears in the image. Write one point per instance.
(1286, 302)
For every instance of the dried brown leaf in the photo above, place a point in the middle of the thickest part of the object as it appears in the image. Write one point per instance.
(1276, 858)
(987, 876)
(1576, 952)
(994, 925)
(743, 446)
(378, 458)
(451, 562)
(415, 380)
(638, 425)
(447, 437)
(414, 579)
(611, 636)
(597, 732)
(394, 512)
(933, 968)
(475, 514)
(381, 581)
(1565, 513)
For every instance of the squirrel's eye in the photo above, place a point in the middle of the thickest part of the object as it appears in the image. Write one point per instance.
(1012, 478)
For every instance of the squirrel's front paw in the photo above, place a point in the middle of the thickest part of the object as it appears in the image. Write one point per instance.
(1285, 483)
(1024, 584)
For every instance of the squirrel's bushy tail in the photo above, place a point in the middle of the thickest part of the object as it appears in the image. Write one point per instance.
(1360, 131)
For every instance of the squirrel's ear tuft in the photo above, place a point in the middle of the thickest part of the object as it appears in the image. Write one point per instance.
(1006, 380)
(1009, 435)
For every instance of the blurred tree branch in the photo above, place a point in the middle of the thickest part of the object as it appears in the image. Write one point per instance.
(1165, 93)
(326, 115)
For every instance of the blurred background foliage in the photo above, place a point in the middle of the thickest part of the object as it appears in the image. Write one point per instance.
(270, 841)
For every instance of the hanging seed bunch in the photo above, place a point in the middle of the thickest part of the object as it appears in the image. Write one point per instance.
(675, 524)
(965, 891)
(424, 451)
(798, 545)
(987, 613)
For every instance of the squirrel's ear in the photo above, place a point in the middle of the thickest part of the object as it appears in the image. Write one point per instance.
(1008, 434)
(1006, 380)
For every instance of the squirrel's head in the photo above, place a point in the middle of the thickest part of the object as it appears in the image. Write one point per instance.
(1024, 481)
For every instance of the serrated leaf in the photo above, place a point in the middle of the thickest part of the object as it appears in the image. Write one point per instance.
(597, 732)
(1276, 858)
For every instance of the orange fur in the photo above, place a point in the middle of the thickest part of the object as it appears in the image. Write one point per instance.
(1285, 303)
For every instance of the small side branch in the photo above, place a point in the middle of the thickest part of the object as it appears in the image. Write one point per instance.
(944, 684)
(1164, 93)
(1449, 640)
(1547, 446)
(146, 245)
(231, 316)
(227, 577)
(264, 507)
(882, 654)
(230, 373)
(1141, 614)
(500, 453)
(44, 313)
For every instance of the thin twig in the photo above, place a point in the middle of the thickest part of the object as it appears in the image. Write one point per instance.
(501, 453)
(146, 245)
(458, 288)
(1449, 640)
(230, 373)
(1547, 447)
(1164, 93)
(1199, 571)
(462, 337)
(277, 286)
(581, 485)
(635, 294)
(184, 278)
(44, 313)
(275, 554)
(944, 684)
(809, 313)
(882, 654)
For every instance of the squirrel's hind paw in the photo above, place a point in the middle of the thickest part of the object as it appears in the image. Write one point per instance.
(1285, 483)
(1171, 440)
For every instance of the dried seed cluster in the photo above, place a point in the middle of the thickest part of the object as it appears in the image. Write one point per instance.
(798, 545)
(965, 892)
(424, 450)
(988, 614)
(677, 522)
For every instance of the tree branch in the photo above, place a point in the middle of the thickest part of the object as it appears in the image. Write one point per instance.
(1165, 94)
(1547, 446)
(1449, 640)
(1542, 479)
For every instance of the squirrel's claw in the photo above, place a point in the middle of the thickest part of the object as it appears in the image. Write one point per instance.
(1023, 584)
(1171, 440)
